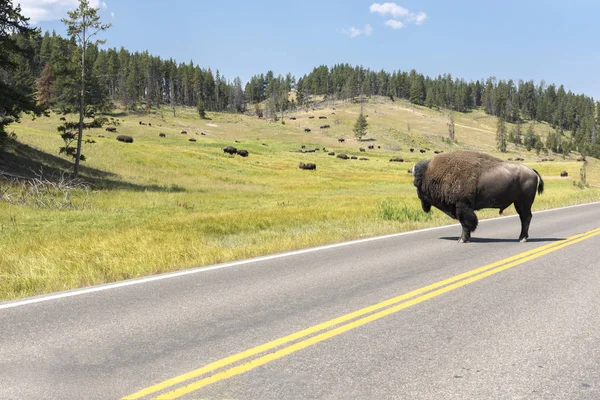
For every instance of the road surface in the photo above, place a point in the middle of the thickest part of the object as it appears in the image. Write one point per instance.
(412, 316)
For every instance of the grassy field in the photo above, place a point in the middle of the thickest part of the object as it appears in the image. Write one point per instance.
(163, 204)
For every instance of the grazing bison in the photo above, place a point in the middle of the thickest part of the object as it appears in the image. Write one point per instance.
(308, 166)
(230, 150)
(162, 134)
(362, 150)
(322, 117)
(306, 129)
(311, 117)
(461, 182)
(412, 150)
(342, 156)
(293, 118)
(192, 139)
(422, 151)
(125, 139)
(396, 159)
(331, 153)
(341, 140)
(564, 173)
(363, 159)
(354, 157)
(111, 129)
(243, 153)
(438, 151)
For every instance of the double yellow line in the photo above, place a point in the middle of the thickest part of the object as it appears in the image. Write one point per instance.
(348, 322)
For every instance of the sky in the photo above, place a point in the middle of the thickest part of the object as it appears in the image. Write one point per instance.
(554, 41)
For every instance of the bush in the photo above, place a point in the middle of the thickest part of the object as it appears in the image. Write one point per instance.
(391, 211)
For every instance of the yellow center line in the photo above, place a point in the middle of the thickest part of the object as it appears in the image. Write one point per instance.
(448, 283)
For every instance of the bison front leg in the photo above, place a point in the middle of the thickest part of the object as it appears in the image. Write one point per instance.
(466, 215)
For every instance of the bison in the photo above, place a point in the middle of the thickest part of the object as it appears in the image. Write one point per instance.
(459, 183)
(125, 139)
(564, 174)
(162, 134)
(306, 129)
(342, 156)
(184, 132)
(230, 150)
(308, 166)
(243, 153)
(192, 139)
(341, 140)
(396, 159)
(111, 129)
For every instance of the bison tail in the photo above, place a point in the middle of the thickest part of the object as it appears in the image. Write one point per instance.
(540, 183)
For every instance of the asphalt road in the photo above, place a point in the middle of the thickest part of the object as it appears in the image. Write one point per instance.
(491, 319)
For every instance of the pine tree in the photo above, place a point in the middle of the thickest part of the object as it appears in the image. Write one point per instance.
(201, 110)
(501, 135)
(14, 98)
(83, 23)
(44, 87)
(360, 127)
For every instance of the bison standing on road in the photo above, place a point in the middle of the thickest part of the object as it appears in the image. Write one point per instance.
(461, 182)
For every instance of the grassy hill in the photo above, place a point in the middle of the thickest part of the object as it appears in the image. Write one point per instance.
(162, 204)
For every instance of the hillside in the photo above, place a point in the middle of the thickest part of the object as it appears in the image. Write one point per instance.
(162, 204)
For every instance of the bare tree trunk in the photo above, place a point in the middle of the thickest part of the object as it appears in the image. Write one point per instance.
(81, 105)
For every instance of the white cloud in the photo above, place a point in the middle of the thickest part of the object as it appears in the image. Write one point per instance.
(354, 32)
(394, 24)
(51, 10)
(401, 16)
(392, 9)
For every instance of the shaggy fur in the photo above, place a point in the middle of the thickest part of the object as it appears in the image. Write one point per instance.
(461, 182)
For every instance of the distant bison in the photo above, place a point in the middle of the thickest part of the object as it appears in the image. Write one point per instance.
(461, 182)
(363, 159)
(162, 135)
(63, 119)
(422, 151)
(325, 127)
(243, 153)
(564, 173)
(125, 139)
(311, 117)
(192, 139)
(331, 153)
(308, 166)
(412, 150)
(230, 150)
(184, 132)
(438, 151)
(396, 159)
(322, 117)
(342, 156)
(306, 129)
(341, 140)
(293, 118)
(111, 129)
(362, 150)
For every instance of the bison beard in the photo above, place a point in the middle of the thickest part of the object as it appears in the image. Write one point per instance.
(461, 182)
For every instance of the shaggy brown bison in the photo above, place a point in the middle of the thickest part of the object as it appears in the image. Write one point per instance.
(341, 140)
(564, 173)
(162, 135)
(192, 139)
(342, 156)
(306, 129)
(308, 166)
(461, 182)
(111, 129)
(243, 153)
(230, 150)
(125, 139)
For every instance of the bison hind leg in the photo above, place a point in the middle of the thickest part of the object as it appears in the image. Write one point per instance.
(466, 215)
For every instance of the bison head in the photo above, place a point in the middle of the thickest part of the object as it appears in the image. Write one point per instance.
(418, 170)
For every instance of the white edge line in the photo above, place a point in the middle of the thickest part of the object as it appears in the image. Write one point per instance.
(167, 275)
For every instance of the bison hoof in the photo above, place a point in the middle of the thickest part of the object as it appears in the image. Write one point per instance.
(461, 240)
(523, 240)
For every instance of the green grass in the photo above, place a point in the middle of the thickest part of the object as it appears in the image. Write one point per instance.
(163, 204)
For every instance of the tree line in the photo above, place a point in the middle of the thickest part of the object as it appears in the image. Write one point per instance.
(47, 68)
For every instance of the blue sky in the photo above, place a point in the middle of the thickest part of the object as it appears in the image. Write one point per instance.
(552, 40)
